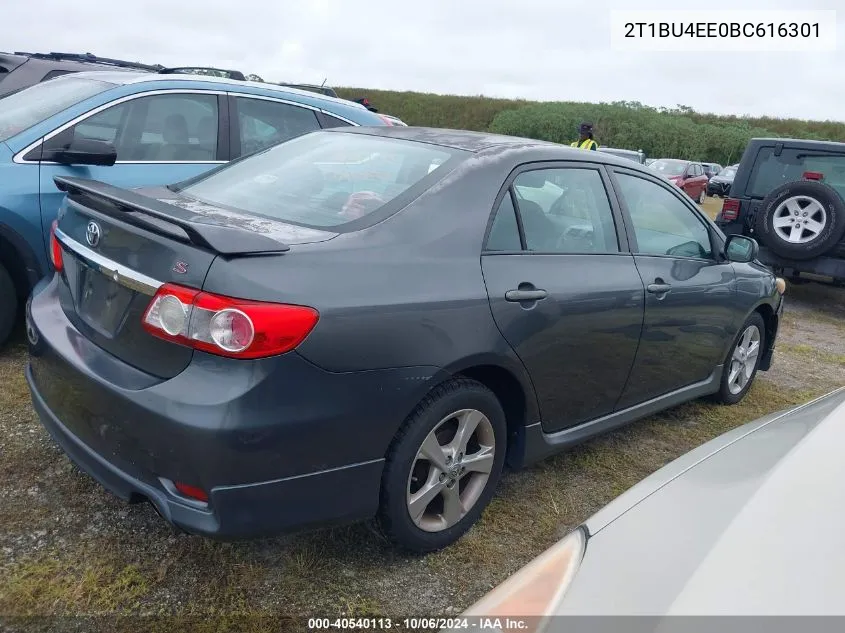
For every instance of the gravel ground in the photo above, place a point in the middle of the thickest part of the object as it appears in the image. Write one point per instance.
(68, 548)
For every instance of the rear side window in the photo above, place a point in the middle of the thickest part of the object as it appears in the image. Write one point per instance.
(333, 121)
(565, 210)
(772, 171)
(265, 123)
(504, 234)
(323, 179)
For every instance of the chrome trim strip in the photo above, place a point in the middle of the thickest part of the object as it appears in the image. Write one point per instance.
(116, 272)
(18, 158)
(246, 95)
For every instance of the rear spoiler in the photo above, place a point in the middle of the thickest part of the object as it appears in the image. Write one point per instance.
(123, 204)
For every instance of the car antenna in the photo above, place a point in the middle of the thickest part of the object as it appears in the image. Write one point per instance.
(324, 82)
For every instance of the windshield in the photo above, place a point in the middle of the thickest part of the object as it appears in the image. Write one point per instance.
(669, 167)
(21, 110)
(322, 179)
(727, 172)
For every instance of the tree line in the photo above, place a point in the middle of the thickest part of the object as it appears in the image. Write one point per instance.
(660, 132)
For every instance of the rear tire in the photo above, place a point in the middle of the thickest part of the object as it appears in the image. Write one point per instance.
(8, 304)
(740, 367)
(801, 220)
(426, 506)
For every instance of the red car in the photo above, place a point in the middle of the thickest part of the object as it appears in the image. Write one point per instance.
(687, 175)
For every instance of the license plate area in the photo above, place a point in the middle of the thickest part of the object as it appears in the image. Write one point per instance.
(102, 303)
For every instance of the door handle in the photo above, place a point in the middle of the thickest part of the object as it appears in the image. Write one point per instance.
(525, 295)
(658, 288)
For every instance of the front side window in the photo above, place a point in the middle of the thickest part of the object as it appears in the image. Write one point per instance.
(565, 210)
(663, 224)
(265, 123)
(157, 128)
(21, 110)
(323, 179)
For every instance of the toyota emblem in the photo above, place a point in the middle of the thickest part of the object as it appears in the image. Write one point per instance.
(92, 233)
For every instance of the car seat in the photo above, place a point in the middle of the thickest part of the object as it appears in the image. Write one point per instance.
(175, 137)
(207, 137)
(540, 232)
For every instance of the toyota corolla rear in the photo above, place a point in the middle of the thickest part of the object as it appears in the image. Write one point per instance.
(167, 389)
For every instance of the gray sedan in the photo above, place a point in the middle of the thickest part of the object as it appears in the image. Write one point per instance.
(750, 523)
(372, 322)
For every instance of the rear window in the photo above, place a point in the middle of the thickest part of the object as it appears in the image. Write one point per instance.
(771, 171)
(21, 110)
(325, 179)
(669, 167)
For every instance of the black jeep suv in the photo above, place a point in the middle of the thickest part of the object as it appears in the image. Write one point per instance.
(788, 195)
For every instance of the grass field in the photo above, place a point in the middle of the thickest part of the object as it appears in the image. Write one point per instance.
(69, 548)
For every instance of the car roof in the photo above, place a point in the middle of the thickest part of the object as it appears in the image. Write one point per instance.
(802, 142)
(477, 142)
(125, 77)
(455, 139)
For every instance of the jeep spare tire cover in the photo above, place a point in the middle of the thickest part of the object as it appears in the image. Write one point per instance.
(801, 219)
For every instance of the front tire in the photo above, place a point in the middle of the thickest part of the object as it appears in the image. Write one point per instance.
(741, 364)
(443, 466)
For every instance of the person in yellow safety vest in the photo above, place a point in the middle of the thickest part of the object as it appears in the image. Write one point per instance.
(586, 140)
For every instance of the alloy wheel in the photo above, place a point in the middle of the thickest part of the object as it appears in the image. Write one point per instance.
(744, 359)
(799, 219)
(450, 470)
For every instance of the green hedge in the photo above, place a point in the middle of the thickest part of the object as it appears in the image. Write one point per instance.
(660, 132)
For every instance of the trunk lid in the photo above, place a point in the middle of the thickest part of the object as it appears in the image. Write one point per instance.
(120, 246)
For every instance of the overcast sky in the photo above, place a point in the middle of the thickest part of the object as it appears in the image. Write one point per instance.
(535, 49)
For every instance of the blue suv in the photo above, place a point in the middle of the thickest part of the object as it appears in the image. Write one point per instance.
(130, 129)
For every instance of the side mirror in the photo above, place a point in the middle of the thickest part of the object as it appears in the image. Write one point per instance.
(84, 151)
(741, 249)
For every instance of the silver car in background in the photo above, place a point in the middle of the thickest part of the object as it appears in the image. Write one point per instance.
(750, 523)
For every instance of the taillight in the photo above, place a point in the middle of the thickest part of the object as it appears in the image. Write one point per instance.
(813, 175)
(56, 249)
(220, 325)
(730, 209)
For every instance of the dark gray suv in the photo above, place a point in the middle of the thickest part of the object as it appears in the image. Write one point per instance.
(374, 321)
(20, 70)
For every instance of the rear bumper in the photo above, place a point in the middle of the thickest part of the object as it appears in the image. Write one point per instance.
(826, 266)
(233, 512)
(277, 444)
